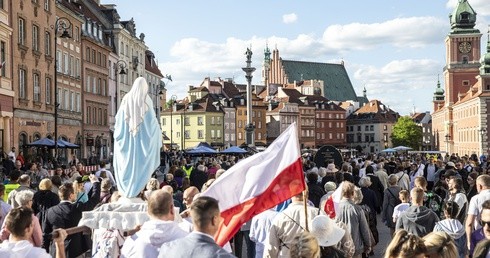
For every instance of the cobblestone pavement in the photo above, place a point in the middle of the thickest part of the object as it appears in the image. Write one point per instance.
(384, 239)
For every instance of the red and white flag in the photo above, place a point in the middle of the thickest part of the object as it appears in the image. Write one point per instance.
(258, 183)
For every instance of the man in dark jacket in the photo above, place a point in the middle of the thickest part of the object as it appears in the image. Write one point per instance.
(198, 177)
(67, 214)
(418, 219)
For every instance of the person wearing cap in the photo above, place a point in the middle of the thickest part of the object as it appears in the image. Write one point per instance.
(328, 235)
(475, 207)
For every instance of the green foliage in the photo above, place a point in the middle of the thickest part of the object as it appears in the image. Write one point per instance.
(407, 133)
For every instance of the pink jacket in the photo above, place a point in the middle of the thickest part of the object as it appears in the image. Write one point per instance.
(37, 234)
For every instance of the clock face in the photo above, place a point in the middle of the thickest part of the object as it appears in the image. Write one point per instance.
(464, 47)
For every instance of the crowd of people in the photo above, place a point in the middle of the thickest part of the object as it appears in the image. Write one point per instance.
(433, 206)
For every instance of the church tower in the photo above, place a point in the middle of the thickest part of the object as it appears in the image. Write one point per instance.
(485, 67)
(462, 52)
(438, 99)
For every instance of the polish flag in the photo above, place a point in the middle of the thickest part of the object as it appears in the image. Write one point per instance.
(258, 183)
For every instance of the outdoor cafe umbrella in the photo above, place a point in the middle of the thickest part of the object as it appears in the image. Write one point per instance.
(234, 150)
(65, 144)
(44, 142)
(402, 148)
(388, 150)
(201, 150)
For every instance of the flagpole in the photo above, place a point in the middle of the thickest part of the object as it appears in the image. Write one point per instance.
(305, 200)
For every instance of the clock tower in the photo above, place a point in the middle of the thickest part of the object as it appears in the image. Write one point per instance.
(462, 52)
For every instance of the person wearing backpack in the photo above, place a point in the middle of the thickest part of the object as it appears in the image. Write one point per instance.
(403, 178)
(390, 201)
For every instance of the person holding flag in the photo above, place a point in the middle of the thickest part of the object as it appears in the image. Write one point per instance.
(258, 183)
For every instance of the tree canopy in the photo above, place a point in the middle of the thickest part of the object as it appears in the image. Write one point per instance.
(407, 133)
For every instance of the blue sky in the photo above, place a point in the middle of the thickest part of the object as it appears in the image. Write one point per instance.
(394, 48)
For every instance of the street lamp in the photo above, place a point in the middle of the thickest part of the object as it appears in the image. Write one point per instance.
(62, 25)
(448, 137)
(173, 99)
(121, 70)
(483, 131)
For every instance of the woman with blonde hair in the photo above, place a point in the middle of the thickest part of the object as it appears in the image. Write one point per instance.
(405, 245)
(44, 198)
(441, 245)
(305, 245)
(151, 186)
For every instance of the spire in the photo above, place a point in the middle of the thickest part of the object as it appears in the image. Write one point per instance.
(364, 92)
(267, 54)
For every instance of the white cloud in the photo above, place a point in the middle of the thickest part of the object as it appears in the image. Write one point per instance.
(401, 83)
(192, 59)
(412, 32)
(289, 18)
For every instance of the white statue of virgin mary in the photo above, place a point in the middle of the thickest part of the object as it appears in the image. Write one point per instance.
(137, 140)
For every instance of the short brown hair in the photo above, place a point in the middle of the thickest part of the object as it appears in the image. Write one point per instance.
(421, 182)
(17, 220)
(160, 203)
(484, 180)
(65, 191)
(417, 194)
(203, 209)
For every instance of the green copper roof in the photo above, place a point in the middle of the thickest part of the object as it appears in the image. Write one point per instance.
(439, 91)
(463, 18)
(337, 85)
(485, 59)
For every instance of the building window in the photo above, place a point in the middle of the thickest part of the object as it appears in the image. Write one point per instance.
(186, 121)
(35, 38)
(3, 56)
(100, 117)
(66, 63)
(199, 120)
(385, 127)
(239, 136)
(78, 103)
(259, 135)
(48, 90)
(37, 89)
(466, 83)
(187, 134)
(22, 83)
(22, 31)
(200, 134)
(89, 117)
(47, 43)
(46, 5)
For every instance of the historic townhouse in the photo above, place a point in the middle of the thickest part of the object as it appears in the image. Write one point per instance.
(68, 81)
(155, 84)
(32, 68)
(369, 128)
(96, 48)
(6, 85)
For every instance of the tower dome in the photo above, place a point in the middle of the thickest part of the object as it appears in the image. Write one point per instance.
(463, 18)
